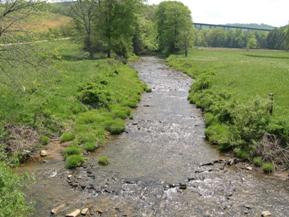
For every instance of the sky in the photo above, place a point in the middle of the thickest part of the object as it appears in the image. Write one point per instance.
(272, 12)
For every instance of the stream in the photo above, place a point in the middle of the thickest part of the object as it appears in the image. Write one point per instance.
(160, 167)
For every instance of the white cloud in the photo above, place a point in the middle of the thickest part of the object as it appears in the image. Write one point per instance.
(272, 12)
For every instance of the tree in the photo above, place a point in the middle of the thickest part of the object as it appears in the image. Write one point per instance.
(115, 25)
(252, 42)
(174, 27)
(84, 12)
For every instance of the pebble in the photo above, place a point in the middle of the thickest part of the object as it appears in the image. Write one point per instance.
(43, 153)
(249, 168)
(57, 209)
(84, 211)
(266, 214)
(75, 213)
(183, 186)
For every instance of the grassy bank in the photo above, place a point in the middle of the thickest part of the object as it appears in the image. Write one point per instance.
(79, 101)
(245, 98)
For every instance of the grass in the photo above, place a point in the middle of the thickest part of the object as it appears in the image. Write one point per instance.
(12, 202)
(103, 160)
(85, 99)
(258, 161)
(268, 168)
(74, 161)
(234, 88)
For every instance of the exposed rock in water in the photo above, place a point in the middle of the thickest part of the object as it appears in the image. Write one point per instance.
(266, 214)
(57, 209)
(75, 213)
(84, 211)
(43, 153)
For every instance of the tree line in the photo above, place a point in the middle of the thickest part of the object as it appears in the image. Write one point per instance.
(121, 27)
(276, 39)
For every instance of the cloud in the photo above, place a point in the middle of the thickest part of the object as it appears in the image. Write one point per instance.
(272, 12)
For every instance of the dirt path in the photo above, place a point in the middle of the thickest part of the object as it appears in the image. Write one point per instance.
(156, 166)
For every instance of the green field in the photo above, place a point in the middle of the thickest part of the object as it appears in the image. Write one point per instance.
(233, 88)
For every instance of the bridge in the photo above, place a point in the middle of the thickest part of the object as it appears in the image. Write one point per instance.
(228, 27)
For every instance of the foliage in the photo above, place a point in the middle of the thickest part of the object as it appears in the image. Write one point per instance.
(174, 27)
(103, 160)
(116, 126)
(12, 200)
(90, 146)
(72, 150)
(268, 167)
(106, 25)
(258, 161)
(67, 137)
(74, 161)
(230, 38)
(44, 140)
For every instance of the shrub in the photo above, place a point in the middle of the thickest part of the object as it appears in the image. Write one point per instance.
(268, 168)
(44, 140)
(103, 160)
(90, 146)
(66, 137)
(74, 161)
(115, 127)
(257, 161)
(219, 134)
(12, 202)
(94, 94)
(240, 153)
(148, 89)
(120, 112)
(71, 150)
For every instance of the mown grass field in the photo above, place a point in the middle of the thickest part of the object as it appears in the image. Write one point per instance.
(233, 88)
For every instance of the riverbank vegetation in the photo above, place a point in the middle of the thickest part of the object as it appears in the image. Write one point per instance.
(245, 101)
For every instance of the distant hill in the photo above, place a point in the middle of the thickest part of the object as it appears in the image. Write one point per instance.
(252, 25)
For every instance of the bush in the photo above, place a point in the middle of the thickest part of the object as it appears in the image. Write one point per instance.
(71, 150)
(12, 200)
(90, 146)
(219, 134)
(94, 94)
(44, 140)
(243, 154)
(120, 111)
(103, 160)
(116, 127)
(66, 137)
(74, 161)
(268, 168)
(257, 161)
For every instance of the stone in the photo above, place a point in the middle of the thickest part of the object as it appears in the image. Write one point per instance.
(266, 214)
(134, 123)
(99, 211)
(69, 176)
(183, 186)
(43, 153)
(249, 168)
(84, 211)
(75, 213)
(57, 209)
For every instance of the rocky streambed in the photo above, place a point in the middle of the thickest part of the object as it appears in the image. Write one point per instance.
(161, 166)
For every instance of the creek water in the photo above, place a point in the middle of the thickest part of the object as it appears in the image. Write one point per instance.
(159, 166)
